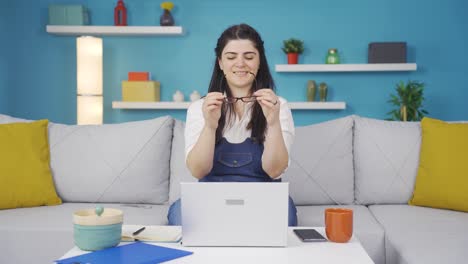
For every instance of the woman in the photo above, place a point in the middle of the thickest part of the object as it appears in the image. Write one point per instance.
(240, 131)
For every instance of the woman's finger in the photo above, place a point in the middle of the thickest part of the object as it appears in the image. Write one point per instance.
(213, 102)
(264, 91)
(270, 99)
(212, 107)
(214, 95)
(267, 103)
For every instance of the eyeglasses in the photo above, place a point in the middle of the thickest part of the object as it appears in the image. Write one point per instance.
(245, 99)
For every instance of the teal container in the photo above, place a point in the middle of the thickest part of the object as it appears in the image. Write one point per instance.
(92, 238)
(68, 15)
(96, 229)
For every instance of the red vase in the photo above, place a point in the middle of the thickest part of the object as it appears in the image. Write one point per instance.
(293, 58)
(120, 14)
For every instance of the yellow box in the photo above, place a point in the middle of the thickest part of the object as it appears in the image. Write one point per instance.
(141, 91)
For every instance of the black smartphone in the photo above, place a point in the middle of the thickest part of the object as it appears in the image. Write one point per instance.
(309, 235)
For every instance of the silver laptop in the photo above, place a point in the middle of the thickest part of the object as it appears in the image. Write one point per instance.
(234, 214)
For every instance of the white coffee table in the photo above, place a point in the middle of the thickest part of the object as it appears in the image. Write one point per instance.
(296, 252)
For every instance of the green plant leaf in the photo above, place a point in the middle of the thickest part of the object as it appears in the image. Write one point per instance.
(409, 94)
(293, 45)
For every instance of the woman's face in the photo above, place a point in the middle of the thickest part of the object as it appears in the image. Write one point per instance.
(239, 59)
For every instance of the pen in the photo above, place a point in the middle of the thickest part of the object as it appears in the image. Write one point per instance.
(138, 231)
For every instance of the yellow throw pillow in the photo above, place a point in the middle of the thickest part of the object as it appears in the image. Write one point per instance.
(442, 180)
(25, 176)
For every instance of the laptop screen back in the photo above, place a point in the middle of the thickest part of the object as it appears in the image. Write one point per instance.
(234, 214)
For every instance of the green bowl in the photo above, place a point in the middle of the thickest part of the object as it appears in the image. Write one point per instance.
(98, 228)
(98, 237)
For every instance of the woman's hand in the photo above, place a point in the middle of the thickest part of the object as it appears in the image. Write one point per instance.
(270, 105)
(212, 109)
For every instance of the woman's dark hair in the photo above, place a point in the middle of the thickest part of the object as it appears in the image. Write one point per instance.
(262, 80)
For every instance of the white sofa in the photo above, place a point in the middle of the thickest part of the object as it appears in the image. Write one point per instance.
(365, 164)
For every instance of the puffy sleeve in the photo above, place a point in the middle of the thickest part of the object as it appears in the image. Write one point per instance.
(287, 123)
(193, 125)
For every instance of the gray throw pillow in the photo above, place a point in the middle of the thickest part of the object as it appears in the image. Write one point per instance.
(179, 171)
(321, 168)
(386, 158)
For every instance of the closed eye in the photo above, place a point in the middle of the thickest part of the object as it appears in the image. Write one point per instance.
(247, 55)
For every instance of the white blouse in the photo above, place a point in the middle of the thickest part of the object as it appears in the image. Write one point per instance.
(237, 131)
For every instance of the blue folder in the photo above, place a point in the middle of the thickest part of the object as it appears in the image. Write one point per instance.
(135, 253)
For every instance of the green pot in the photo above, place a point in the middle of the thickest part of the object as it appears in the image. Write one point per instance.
(90, 238)
(96, 229)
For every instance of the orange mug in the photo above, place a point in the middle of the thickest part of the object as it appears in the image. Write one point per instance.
(339, 224)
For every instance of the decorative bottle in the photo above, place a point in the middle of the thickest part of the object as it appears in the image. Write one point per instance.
(311, 90)
(332, 57)
(323, 90)
(166, 18)
(120, 14)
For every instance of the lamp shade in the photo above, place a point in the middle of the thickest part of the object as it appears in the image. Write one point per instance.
(89, 110)
(89, 80)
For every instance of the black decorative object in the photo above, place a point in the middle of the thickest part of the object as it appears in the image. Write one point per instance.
(387, 52)
(166, 19)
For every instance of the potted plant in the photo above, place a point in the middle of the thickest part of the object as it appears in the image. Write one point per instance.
(293, 47)
(408, 101)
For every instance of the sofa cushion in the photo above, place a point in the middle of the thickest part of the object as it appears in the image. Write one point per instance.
(386, 158)
(366, 228)
(179, 170)
(5, 119)
(127, 162)
(116, 163)
(321, 167)
(25, 176)
(46, 233)
(442, 180)
(423, 235)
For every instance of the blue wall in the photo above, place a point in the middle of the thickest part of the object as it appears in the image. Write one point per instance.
(5, 14)
(43, 84)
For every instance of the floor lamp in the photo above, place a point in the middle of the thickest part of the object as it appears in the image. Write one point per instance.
(89, 80)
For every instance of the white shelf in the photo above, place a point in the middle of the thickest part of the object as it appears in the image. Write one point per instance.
(371, 67)
(185, 105)
(317, 105)
(114, 30)
(150, 105)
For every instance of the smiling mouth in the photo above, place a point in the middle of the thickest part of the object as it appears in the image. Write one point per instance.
(243, 73)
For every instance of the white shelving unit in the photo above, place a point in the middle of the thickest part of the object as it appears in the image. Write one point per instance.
(185, 105)
(114, 30)
(371, 67)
